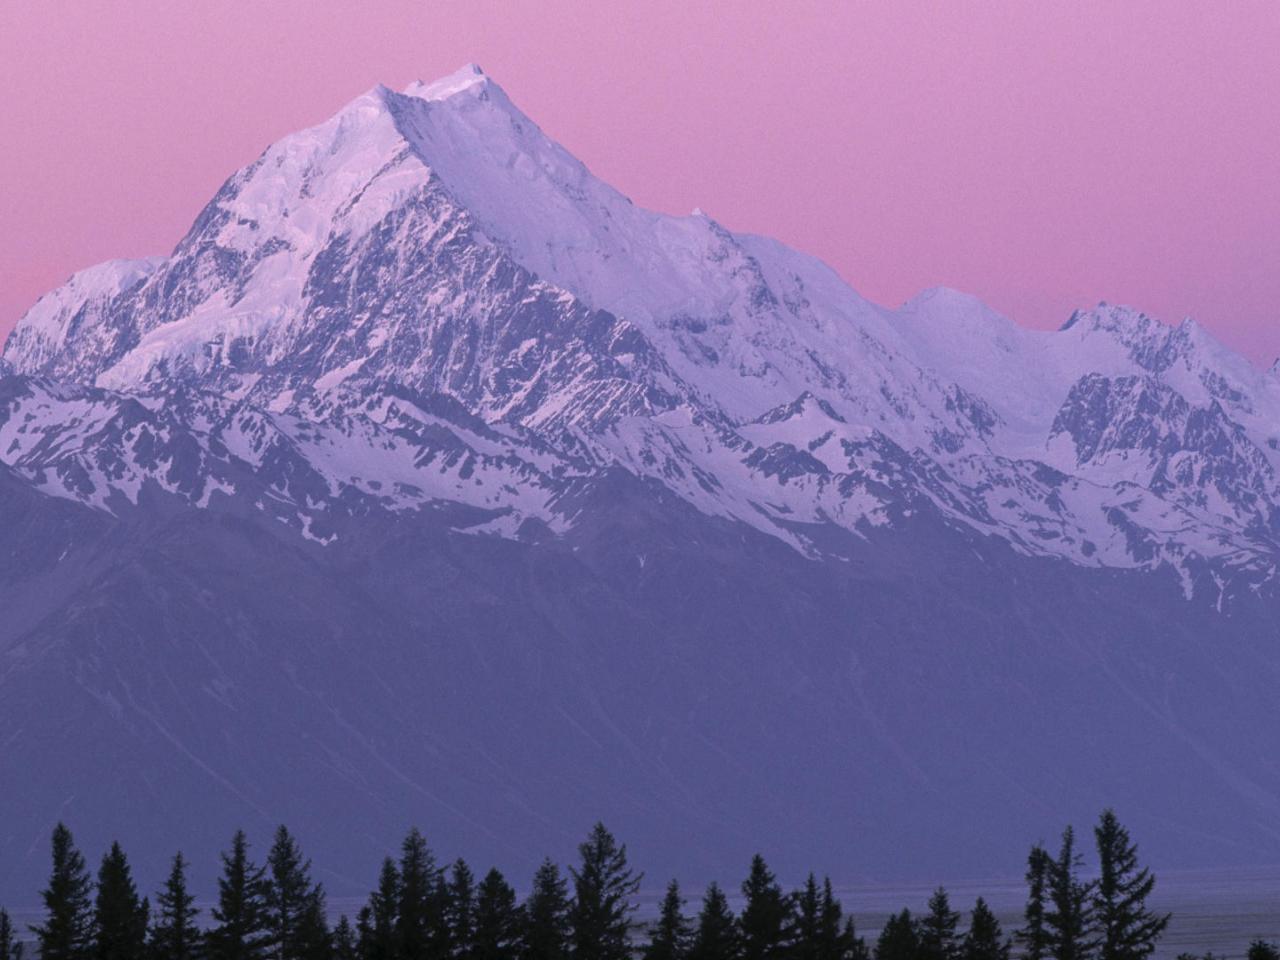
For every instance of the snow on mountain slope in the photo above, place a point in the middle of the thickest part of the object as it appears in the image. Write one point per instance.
(436, 241)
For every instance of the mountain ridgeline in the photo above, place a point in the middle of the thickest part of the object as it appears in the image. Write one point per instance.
(431, 480)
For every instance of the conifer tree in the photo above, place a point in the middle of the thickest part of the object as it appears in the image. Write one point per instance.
(364, 933)
(241, 921)
(838, 937)
(377, 923)
(120, 917)
(671, 935)
(345, 946)
(421, 929)
(1128, 929)
(546, 916)
(851, 946)
(460, 907)
(498, 920)
(1263, 950)
(809, 926)
(67, 932)
(1070, 917)
(314, 941)
(1033, 937)
(716, 936)
(766, 921)
(938, 939)
(984, 940)
(175, 935)
(295, 906)
(10, 949)
(899, 939)
(603, 885)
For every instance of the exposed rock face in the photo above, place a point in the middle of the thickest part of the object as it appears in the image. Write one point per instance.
(430, 480)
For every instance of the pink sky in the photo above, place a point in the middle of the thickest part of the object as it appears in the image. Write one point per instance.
(1041, 156)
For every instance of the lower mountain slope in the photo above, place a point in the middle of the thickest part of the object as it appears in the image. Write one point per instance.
(923, 709)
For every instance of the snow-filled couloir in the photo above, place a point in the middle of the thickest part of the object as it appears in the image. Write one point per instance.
(433, 249)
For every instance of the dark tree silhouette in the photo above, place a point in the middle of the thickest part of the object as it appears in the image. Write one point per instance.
(1069, 921)
(460, 910)
(120, 917)
(241, 923)
(345, 946)
(1033, 937)
(498, 920)
(984, 939)
(671, 934)
(546, 916)
(1128, 929)
(603, 885)
(295, 905)
(1263, 950)
(938, 940)
(10, 948)
(766, 921)
(175, 935)
(421, 928)
(67, 932)
(899, 939)
(717, 936)
(377, 923)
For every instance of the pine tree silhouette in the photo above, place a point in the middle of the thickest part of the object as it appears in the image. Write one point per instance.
(241, 923)
(295, 906)
(175, 935)
(900, 938)
(1128, 930)
(717, 936)
(67, 932)
(671, 934)
(546, 916)
(603, 885)
(1069, 921)
(984, 939)
(460, 909)
(10, 948)
(378, 922)
(938, 939)
(766, 921)
(345, 946)
(1033, 936)
(499, 923)
(421, 925)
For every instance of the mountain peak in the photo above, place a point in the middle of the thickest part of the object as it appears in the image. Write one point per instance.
(465, 78)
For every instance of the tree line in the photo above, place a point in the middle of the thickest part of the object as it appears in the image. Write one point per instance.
(423, 910)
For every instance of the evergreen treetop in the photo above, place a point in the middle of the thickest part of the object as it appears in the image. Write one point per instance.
(603, 885)
(717, 935)
(120, 917)
(242, 926)
(175, 934)
(671, 934)
(984, 939)
(67, 933)
(938, 940)
(1128, 930)
(766, 920)
(546, 927)
(498, 920)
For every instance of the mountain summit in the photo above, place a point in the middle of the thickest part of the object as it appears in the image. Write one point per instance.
(429, 479)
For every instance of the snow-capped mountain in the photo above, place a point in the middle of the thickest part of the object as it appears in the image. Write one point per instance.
(436, 239)
(424, 324)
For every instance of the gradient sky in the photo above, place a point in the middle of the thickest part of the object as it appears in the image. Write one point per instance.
(1041, 156)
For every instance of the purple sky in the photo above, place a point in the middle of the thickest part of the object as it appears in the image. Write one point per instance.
(1040, 155)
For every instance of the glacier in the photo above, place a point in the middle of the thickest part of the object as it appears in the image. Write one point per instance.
(431, 467)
